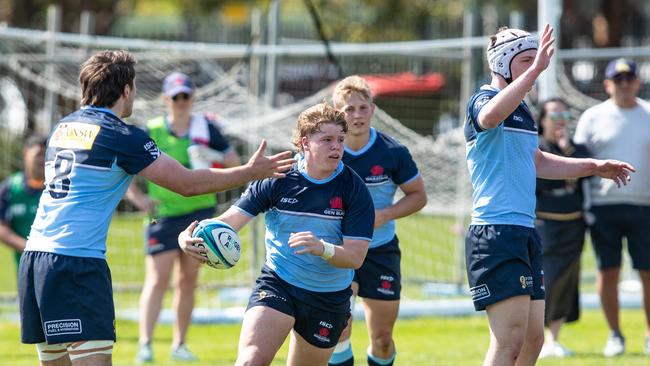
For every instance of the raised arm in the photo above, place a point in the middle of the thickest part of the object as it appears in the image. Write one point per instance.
(550, 166)
(170, 174)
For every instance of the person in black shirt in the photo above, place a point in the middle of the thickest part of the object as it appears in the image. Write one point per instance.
(561, 227)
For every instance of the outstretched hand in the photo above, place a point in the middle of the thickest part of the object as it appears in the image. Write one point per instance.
(615, 170)
(545, 50)
(263, 166)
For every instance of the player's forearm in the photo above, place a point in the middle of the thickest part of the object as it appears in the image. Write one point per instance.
(9, 237)
(410, 203)
(550, 166)
(168, 173)
(235, 218)
(350, 255)
(204, 181)
(507, 100)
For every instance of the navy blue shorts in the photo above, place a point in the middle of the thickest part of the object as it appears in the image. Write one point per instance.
(612, 223)
(503, 261)
(65, 299)
(320, 317)
(162, 235)
(380, 276)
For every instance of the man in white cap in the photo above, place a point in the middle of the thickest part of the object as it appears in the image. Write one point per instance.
(619, 128)
(503, 250)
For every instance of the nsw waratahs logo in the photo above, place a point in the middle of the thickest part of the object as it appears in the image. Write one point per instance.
(377, 170)
(336, 207)
(376, 174)
(324, 330)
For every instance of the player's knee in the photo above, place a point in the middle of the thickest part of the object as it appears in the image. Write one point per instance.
(51, 352)
(511, 341)
(83, 349)
(253, 356)
(187, 283)
(383, 340)
(536, 341)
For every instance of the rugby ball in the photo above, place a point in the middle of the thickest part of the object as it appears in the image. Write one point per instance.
(221, 241)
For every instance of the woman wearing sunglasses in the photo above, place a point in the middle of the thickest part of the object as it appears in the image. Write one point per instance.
(561, 227)
(195, 141)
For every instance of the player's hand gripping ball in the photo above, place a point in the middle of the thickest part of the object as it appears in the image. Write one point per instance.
(221, 241)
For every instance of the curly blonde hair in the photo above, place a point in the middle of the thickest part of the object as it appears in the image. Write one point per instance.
(312, 118)
(349, 85)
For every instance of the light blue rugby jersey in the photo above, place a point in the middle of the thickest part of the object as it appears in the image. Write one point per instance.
(333, 208)
(501, 164)
(383, 164)
(90, 160)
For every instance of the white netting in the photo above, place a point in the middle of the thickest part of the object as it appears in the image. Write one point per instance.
(432, 239)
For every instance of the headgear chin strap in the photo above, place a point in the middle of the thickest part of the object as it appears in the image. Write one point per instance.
(509, 43)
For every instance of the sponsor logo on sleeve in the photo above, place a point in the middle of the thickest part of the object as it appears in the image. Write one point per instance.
(152, 148)
(64, 326)
(74, 135)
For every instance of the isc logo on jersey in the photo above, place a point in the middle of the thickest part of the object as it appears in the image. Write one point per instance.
(221, 241)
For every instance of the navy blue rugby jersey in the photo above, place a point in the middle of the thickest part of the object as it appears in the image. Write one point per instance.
(383, 164)
(333, 208)
(90, 160)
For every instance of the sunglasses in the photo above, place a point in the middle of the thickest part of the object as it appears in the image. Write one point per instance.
(623, 77)
(555, 116)
(181, 96)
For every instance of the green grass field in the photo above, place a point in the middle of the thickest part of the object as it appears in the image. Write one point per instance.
(420, 342)
(428, 255)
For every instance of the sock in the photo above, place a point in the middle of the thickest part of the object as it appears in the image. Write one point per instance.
(342, 355)
(376, 361)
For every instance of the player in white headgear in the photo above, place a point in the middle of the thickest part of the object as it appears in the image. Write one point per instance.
(503, 251)
(503, 48)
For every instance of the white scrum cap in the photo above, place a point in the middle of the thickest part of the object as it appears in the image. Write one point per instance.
(509, 43)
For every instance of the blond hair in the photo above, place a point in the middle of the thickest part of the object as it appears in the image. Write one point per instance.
(349, 85)
(312, 118)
